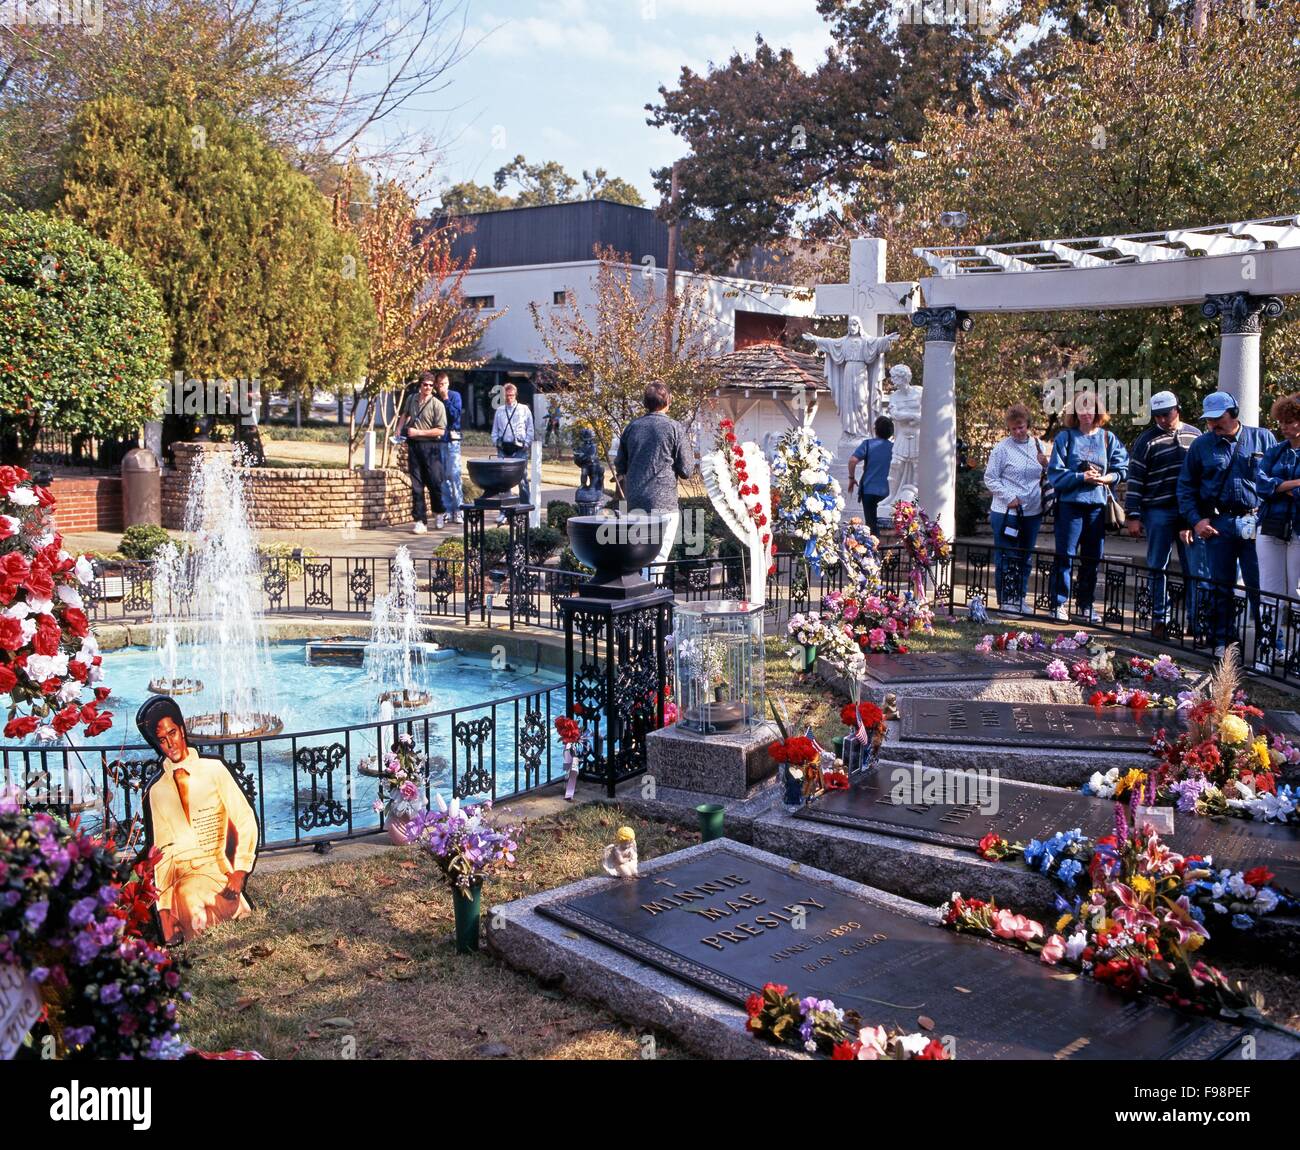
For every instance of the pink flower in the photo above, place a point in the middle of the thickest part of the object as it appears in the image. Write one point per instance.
(408, 790)
(1009, 925)
(876, 637)
(850, 611)
(1057, 671)
(1053, 950)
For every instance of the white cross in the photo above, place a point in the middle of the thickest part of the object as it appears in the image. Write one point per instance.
(867, 295)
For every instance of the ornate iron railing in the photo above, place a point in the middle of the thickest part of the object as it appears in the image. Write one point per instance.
(307, 787)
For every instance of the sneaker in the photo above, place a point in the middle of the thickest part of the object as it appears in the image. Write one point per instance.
(419, 529)
(458, 518)
(1061, 614)
(439, 522)
(1091, 616)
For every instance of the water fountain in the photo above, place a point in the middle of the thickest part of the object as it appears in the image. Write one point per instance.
(168, 594)
(395, 640)
(224, 626)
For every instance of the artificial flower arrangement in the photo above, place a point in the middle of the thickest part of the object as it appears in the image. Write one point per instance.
(815, 629)
(464, 843)
(1136, 929)
(879, 624)
(866, 723)
(402, 779)
(750, 495)
(572, 735)
(924, 539)
(1033, 641)
(806, 501)
(818, 1026)
(861, 558)
(70, 920)
(1218, 765)
(48, 657)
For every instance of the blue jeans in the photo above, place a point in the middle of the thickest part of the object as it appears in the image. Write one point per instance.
(1080, 530)
(870, 507)
(453, 494)
(1224, 552)
(1013, 556)
(1162, 526)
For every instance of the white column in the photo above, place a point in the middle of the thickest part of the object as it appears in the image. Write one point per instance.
(937, 467)
(541, 406)
(1241, 322)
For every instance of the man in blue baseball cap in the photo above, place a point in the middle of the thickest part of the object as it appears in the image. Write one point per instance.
(1218, 500)
(1151, 505)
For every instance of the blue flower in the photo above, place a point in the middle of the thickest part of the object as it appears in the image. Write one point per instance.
(1242, 921)
(1198, 914)
(1033, 852)
(1069, 871)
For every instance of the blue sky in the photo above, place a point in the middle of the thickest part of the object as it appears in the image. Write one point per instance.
(567, 80)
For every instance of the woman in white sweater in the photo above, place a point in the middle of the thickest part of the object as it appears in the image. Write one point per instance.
(1014, 477)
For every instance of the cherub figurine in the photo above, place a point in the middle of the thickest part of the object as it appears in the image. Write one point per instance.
(620, 856)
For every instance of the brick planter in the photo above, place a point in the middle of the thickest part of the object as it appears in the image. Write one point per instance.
(299, 499)
(89, 504)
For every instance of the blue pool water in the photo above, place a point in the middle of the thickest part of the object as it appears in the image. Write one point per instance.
(320, 698)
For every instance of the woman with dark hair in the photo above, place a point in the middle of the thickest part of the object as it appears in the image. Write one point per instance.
(1277, 480)
(1087, 462)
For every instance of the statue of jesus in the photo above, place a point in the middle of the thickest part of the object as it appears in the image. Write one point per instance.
(849, 373)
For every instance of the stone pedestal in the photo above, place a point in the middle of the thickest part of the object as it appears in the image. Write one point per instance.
(734, 764)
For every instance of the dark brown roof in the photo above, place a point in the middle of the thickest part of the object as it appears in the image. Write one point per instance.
(767, 365)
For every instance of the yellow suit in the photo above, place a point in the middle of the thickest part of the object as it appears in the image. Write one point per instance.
(194, 866)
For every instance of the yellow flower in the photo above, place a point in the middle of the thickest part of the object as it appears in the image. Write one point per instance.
(1063, 922)
(1260, 747)
(1194, 942)
(1134, 778)
(1142, 884)
(1233, 729)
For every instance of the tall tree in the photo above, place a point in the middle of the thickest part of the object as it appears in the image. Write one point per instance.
(83, 337)
(254, 278)
(602, 357)
(545, 183)
(1147, 129)
(303, 71)
(417, 284)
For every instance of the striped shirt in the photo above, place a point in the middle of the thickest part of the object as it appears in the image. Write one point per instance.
(1013, 472)
(1154, 464)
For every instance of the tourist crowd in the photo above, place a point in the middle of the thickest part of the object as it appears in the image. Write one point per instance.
(1225, 498)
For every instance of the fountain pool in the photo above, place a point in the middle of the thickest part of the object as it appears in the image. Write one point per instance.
(317, 702)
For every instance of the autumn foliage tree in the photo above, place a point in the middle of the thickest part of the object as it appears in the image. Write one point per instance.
(417, 286)
(1145, 129)
(601, 357)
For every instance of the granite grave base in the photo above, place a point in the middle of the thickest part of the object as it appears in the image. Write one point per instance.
(680, 948)
(925, 850)
(1015, 682)
(733, 764)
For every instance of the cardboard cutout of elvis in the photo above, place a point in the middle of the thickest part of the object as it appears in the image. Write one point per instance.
(203, 825)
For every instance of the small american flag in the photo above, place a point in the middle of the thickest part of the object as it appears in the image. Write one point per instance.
(861, 734)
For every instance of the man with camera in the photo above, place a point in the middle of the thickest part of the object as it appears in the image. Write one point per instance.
(1219, 501)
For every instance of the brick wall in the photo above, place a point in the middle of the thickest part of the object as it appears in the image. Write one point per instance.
(88, 504)
(296, 499)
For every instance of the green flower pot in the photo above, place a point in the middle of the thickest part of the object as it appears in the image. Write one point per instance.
(809, 656)
(468, 912)
(710, 821)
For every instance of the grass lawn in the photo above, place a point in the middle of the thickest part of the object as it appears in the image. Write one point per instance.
(362, 951)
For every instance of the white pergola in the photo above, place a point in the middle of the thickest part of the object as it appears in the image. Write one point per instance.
(1237, 272)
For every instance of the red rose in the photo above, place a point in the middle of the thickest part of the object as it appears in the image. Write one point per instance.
(66, 719)
(11, 633)
(99, 724)
(845, 1051)
(753, 1005)
(8, 479)
(1258, 876)
(8, 680)
(48, 636)
(44, 497)
(78, 670)
(102, 693)
(75, 620)
(39, 581)
(20, 727)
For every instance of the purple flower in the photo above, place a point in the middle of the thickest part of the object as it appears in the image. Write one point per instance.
(40, 973)
(78, 1035)
(82, 912)
(35, 914)
(111, 992)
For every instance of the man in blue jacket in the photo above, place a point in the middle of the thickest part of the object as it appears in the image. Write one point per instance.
(1218, 500)
(452, 492)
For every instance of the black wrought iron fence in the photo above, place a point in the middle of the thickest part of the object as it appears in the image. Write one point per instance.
(311, 786)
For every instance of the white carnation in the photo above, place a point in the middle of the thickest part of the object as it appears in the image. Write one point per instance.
(85, 572)
(46, 734)
(19, 610)
(40, 606)
(29, 630)
(23, 497)
(42, 667)
(69, 595)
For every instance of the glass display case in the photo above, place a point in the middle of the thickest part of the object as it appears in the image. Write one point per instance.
(719, 665)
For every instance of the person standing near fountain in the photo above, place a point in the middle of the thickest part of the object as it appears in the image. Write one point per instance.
(452, 494)
(194, 810)
(424, 422)
(512, 433)
(653, 453)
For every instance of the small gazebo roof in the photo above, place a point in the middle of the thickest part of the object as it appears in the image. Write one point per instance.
(768, 366)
